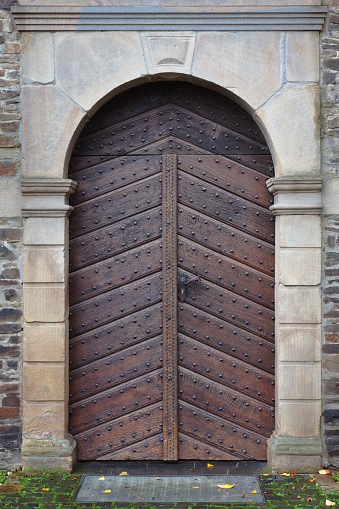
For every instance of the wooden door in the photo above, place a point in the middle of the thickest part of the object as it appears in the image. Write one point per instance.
(171, 187)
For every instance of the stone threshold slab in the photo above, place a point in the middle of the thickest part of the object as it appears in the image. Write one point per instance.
(170, 489)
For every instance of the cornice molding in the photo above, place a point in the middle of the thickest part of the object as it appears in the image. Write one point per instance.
(46, 197)
(293, 195)
(55, 18)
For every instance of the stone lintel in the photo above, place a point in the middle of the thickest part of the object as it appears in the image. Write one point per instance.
(296, 195)
(142, 18)
(46, 197)
(41, 454)
(294, 454)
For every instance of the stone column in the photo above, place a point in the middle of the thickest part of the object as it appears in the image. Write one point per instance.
(46, 442)
(295, 446)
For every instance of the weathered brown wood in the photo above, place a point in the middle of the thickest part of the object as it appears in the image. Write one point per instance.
(130, 330)
(123, 239)
(170, 305)
(221, 434)
(113, 403)
(121, 432)
(215, 398)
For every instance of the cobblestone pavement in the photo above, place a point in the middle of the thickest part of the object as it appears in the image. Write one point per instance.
(22, 491)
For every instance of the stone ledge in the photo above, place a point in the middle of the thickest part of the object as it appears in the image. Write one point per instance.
(46, 197)
(294, 454)
(46, 454)
(160, 18)
(296, 195)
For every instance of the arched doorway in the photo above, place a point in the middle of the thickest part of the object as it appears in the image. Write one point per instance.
(171, 279)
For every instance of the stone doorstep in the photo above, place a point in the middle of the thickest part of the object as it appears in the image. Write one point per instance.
(327, 483)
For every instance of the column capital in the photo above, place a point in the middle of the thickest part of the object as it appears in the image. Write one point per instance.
(46, 197)
(296, 195)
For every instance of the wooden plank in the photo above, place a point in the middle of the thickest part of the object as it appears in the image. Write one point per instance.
(192, 449)
(148, 449)
(170, 305)
(116, 402)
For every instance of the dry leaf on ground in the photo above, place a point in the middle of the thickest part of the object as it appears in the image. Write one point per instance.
(210, 465)
(226, 486)
(123, 473)
(325, 472)
(329, 502)
(101, 478)
(107, 491)
(255, 491)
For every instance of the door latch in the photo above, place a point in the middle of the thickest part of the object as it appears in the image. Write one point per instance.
(183, 283)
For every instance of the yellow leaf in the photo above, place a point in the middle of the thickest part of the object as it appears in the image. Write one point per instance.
(312, 480)
(209, 465)
(324, 472)
(123, 473)
(226, 486)
(45, 489)
(195, 487)
(107, 491)
(255, 491)
(101, 478)
(328, 502)
(286, 475)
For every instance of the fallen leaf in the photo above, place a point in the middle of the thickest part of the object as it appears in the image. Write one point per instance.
(227, 492)
(226, 486)
(312, 480)
(286, 475)
(249, 501)
(266, 474)
(193, 470)
(101, 478)
(302, 488)
(244, 495)
(309, 499)
(74, 478)
(324, 472)
(123, 473)
(107, 491)
(219, 489)
(294, 474)
(157, 478)
(255, 491)
(45, 489)
(195, 487)
(267, 492)
(329, 502)
(293, 487)
(210, 465)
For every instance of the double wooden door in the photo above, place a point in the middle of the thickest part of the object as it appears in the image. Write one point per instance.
(171, 280)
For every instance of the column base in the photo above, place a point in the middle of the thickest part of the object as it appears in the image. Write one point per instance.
(294, 454)
(48, 455)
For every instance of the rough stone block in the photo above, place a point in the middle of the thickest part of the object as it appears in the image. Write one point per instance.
(330, 195)
(299, 418)
(10, 198)
(299, 381)
(49, 121)
(256, 60)
(44, 264)
(45, 303)
(44, 343)
(44, 382)
(44, 420)
(44, 231)
(96, 63)
(331, 362)
(295, 139)
(37, 57)
(302, 56)
(299, 304)
(300, 344)
(299, 231)
(300, 266)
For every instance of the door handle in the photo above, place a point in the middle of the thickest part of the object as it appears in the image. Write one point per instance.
(183, 283)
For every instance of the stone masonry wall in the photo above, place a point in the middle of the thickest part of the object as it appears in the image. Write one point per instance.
(330, 169)
(10, 243)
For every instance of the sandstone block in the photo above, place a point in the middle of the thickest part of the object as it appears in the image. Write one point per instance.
(235, 59)
(44, 420)
(299, 381)
(331, 363)
(302, 56)
(49, 122)
(37, 57)
(298, 304)
(294, 140)
(45, 303)
(97, 63)
(299, 231)
(299, 418)
(300, 344)
(44, 264)
(300, 266)
(44, 230)
(44, 382)
(10, 198)
(44, 343)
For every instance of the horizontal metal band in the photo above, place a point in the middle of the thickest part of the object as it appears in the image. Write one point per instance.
(47, 18)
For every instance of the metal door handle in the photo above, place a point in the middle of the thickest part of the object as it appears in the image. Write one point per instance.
(183, 283)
